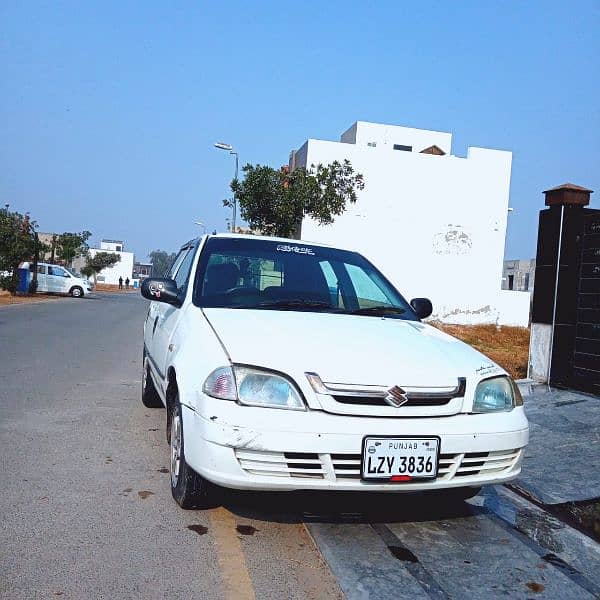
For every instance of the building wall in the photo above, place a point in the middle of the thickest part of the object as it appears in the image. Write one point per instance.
(363, 133)
(116, 245)
(124, 268)
(435, 225)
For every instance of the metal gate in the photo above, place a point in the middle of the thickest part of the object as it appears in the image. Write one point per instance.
(586, 349)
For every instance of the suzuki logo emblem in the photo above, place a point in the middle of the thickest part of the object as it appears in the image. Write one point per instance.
(396, 396)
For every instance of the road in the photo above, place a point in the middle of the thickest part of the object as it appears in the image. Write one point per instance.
(87, 511)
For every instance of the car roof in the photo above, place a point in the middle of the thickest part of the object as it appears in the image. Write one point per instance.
(242, 236)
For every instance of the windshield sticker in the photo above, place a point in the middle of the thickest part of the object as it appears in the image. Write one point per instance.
(295, 249)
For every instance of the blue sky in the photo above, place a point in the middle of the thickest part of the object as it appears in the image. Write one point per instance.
(108, 110)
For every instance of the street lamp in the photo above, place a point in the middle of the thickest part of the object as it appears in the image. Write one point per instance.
(201, 225)
(229, 148)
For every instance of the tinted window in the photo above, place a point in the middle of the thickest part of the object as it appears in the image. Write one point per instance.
(247, 273)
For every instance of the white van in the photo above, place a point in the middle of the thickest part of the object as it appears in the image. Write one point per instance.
(59, 280)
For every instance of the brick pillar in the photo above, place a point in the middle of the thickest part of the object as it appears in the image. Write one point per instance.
(563, 297)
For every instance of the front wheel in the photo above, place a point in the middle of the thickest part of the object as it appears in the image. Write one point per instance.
(76, 292)
(150, 397)
(189, 489)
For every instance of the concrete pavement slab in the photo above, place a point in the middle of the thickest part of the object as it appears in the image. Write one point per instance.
(562, 461)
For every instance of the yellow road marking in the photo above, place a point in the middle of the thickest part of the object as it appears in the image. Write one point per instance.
(236, 579)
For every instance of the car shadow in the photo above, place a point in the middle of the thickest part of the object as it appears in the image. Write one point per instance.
(344, 507)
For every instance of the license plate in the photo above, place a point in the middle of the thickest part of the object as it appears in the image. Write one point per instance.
(399, 458)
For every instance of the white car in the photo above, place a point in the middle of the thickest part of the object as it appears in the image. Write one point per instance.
(57, 279)
(287, 365)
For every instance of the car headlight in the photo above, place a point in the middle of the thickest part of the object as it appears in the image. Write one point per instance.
(496, 394)
(253, 387)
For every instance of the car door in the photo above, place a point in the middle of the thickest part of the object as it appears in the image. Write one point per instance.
(54, 279)
(42, 285)
(165, 316)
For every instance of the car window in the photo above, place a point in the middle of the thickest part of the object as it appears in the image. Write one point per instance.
(183, 268)
(368, 290)
(41, 269)
(264, 274)
(173, 269)
(57, 271)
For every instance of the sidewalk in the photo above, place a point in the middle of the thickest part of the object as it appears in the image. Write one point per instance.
(562, 461)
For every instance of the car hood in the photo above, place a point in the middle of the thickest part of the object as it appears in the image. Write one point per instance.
(353, 349)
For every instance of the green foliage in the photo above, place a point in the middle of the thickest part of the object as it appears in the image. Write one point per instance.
(161, 261)
(87, 271)
(18, 243)
(275, 201)
(100, 260)
(71, 245)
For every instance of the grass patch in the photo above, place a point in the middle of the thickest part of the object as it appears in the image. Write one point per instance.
(508, 346)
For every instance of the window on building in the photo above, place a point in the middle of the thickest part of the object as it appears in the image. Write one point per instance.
(118, 248)
(402, 147)
(372, 144)
(526, 283)
(511, 282)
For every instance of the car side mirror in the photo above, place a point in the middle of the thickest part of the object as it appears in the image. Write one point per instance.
(422, 306)
(161, 289)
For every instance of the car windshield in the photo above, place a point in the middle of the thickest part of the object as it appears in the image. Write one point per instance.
(244, 273)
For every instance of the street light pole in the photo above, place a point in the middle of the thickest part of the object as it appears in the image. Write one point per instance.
(234, 198)
(229, 148)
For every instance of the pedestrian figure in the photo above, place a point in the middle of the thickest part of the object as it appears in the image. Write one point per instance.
(120, 283)
(127, 283)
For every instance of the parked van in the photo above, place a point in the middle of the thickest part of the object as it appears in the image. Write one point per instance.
(59, 280)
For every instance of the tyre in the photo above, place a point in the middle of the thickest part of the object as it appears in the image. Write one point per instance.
(189, 489)
(76, 292)
(150, 397)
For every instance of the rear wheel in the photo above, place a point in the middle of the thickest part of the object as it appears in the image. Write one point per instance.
(189, 489)
(76, 292)
(150, 397)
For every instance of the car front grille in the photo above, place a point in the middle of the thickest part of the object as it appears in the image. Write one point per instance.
(334, 467)
(380, 401)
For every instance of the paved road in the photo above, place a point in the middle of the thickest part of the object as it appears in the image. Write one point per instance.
(85, 499)
(87, 511)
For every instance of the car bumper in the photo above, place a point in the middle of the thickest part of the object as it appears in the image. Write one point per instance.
(268, 449)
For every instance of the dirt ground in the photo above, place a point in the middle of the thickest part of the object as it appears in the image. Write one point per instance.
(6, 298)
(109, 287)
(508, 346)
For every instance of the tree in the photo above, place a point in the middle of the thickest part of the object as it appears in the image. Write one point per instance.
(18, 243)
(71, 245)
(275, 201)
(101, 260)
(161, 261)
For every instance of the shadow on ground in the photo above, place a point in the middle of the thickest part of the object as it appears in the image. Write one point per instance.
(343, 507)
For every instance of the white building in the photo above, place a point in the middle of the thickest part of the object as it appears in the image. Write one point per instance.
(434, 223)
(110, 275)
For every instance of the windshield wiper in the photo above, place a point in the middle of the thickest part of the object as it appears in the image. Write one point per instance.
(378, 310)
(294, 303)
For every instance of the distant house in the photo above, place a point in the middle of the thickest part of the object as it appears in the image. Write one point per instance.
(142, 270)
(110, 275)
(518, 275)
